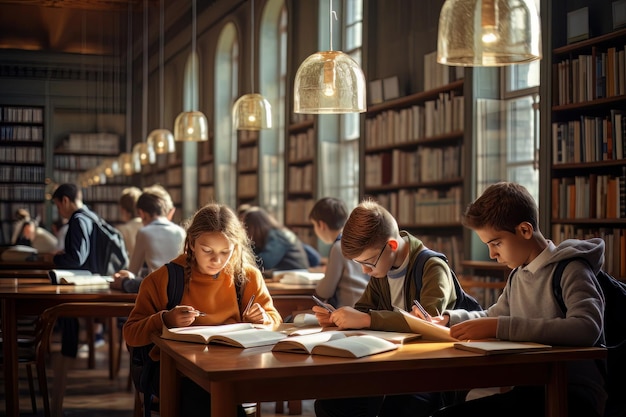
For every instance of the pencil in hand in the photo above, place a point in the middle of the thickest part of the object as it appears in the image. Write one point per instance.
(422, 310)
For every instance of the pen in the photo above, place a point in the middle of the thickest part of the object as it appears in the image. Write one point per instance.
(248, 306)
(422, 310)
(200, 313)
(323, 304)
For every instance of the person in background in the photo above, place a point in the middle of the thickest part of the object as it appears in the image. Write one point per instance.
(344, 281)
(371, 238)
(21, 216)
(217, 253)
(157, 242)
(505, 218)
(128, 214)
(38, 237)
(276, 247)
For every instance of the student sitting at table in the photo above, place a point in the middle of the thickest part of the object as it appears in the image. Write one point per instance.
(276, 247)
(37, 237)
(158, 242)
(505, 218)
(344, 281)
(217, 254)
(371, 238)
(130, 217)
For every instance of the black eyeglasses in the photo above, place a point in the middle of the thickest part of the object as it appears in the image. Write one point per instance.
(370, 265)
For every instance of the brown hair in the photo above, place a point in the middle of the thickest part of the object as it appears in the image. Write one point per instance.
(128, 200)
(502, 206)
(331, 211)
(220, 218)
(258, 224)
(369, 225)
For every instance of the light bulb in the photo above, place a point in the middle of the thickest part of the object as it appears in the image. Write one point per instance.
(489, 34)
(190, 130)
(329, 79)
(252, 118)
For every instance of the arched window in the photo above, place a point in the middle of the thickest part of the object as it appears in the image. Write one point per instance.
(226, 90)
(272, 77)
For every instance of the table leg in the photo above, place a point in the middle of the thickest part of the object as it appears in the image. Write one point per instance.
(9, 331)
(169, 400)
(223, 402)
(556, 391)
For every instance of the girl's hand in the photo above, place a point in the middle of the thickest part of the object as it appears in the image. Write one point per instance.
(180, 316)
(256, 314)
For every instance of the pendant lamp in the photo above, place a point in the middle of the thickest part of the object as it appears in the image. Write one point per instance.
(252, 111)
(128, 164)
(488, 33)
(192, 125)
(143, 155)
(111, 167)
(161, 140)
(329, 82)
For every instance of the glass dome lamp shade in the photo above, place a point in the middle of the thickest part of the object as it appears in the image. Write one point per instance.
(143, 154)
(162, 141)
(252, 112)
(329, 82)
(191, 126)
(488, 33)
(111, 167)
(128, 164)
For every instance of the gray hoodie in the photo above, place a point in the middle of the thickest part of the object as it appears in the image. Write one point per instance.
(527, 309)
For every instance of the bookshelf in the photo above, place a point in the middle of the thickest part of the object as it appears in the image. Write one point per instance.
(206, 173)
(247, 167)
(413, 164)
(22, 164)
(588, 143)
(82, 152)
(301, 177)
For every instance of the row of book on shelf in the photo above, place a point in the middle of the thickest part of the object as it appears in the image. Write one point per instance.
(588, 77)
(21, 154)
(301, 178)
(614, 241)
(301, 145)
(436, 117)
(248, 158)
(590, 139)
(102, 142)
(22, 192)
(589, 197)
(34, 174)
(298, 209)
(10, 114)
(438, 75)
(247, 185)
(21, 133)
(425, 164)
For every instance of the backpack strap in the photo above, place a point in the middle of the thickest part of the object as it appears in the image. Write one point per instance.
(418, 265)
(175, 284)
(557, 290)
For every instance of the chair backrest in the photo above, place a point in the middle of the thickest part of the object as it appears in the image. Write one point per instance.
(49, 317)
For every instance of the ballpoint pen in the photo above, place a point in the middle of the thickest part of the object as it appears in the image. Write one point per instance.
(323, 304)
(245, 310)
(422, 310)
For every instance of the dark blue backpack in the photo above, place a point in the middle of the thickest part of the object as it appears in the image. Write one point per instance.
(614, 333)
(463, 300)
(144, 370)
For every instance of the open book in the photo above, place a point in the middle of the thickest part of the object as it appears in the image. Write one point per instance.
(298, 276)
(77, 277)
(335, 343)
(428, 330)
(494, 347)
(242, 335)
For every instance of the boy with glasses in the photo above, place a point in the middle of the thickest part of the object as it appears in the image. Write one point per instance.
(371, 237)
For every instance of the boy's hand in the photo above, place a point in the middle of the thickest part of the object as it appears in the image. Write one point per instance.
(482, 328)
(323, 316)
(349, 318)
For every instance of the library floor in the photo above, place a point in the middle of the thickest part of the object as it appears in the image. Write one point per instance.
(90, 393)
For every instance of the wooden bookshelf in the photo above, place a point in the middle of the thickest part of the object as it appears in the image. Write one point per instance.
(587, 170)
(301, 177)
(206, 173)
(22, 164)
(247, 167)
(413, 164)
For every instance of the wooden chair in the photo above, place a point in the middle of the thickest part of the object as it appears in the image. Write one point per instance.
(47, 321)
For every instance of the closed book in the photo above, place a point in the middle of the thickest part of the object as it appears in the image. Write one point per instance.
(496, 347)
(242, 335)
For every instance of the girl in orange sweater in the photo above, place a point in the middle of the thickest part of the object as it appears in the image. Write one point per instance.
(217, 254)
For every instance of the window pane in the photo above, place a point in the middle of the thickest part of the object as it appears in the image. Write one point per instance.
(521, 125)
(522, 76)
(354, 36)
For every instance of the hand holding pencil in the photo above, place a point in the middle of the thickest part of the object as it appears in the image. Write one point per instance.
(254, 313)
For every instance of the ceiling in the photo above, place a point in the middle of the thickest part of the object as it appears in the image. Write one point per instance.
(74, 26)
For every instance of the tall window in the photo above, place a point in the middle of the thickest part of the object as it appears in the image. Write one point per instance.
(273, 76)
(340, 176)
(226, 90)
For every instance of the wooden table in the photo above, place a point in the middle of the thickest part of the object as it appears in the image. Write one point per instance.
(289, 298)
(29, 298)
(235, 376)
(277, 288)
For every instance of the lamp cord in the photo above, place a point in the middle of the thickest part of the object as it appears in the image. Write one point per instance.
(161, 61)
(331, 14)
(252, 45)
(129, 75)
(193, 52)
(144, 119)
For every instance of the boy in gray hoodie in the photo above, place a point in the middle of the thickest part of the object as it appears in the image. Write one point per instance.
(505, 218)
